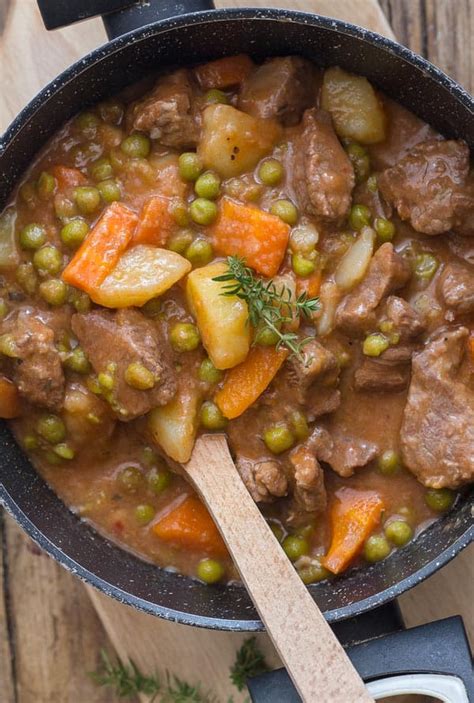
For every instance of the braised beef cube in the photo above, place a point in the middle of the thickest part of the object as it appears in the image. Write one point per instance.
(37, 370)
(406, 321)
(309, 493)
(349, 453)
(265, 478)
(167, 113)
(427, 186)
(281, 88)
(115, 340)
(387, 272)
(437, 435)
(375, 376)
(317, 365)
(456, 287)
(323, 174)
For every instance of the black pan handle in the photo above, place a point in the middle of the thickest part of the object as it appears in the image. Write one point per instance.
(119, 16)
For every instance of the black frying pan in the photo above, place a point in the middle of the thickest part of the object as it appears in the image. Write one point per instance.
(135, 50)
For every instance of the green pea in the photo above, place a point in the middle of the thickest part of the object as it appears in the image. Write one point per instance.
(52, 458)
(54, 291)
(398, 532)
(8, 346)
(118, 159)
(266, 337)
(359, 217)
(130, 479)
(208, 185)
(189, 165)
(180, 240)
(87, 199)
(295, 547)
(80, 301)
(209, 571)
(109, 190)
(64, 208)
(101, 170)
(138, 376)
(360, 161)
(27, 278)
(48, 260)
(184, 337)
(77, 361)
(203, 211)
(385, 229)
(144, 514)
(278, 439)
(74, 232)
(376, 548)
(375, 344)
(136, 145)
(301, 266)
(277, 530)
(152, 307)
(180, 214)
(33, 236)
(199, 252)
(426, 266)
(3, 308)
(111, 111)
(208, 372)
(149, 456)
(46, 185)
(214, 96)
(106, 381)
(313, 573)
(64, 451)
(439, 499)
(305, 531)
(30, 442)
(51, 428)
(372, 184)
(299, 424)
(158, 480)
(87, 122)
(388, 463)
(270, 172)
(285, 210)
(211, 416)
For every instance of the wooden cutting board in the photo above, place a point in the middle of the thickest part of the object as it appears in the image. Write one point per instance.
(192, 654)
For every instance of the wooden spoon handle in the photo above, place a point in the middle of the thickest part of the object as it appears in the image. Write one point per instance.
(315, 660)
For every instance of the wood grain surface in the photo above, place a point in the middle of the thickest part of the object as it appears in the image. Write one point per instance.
(50, 635)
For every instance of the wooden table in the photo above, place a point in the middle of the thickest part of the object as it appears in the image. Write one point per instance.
(50, 634)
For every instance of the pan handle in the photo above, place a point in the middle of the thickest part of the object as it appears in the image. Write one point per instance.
(119, 16)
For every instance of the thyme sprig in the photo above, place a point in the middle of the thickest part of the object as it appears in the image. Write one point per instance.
(270, 306)
(249, 662)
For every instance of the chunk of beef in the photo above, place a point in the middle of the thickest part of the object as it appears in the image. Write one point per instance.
(265, 478)
(122, 338)
(309, 492)
(373, 375)
(427, 186)
(437, 435)
(465, 208)
(37, 370)
(456, 287)
(313, 379)
(167, 112)
(280, 88)
(323, 173)
(406, 321)
(387, 272)
(348, 453)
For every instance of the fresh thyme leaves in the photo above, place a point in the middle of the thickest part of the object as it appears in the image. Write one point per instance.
(128, 681)
(270, 306)
(249, 662)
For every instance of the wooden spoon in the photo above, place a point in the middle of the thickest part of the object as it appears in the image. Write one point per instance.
(315, 660)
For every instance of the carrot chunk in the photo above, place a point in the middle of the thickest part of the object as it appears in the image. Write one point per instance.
(156, 222)
(67, 177)
(98, 254)
(190, 527)
(224, 73)
(255, 235)
(310, 285)
(9, 399)
(354, 515)
(247, 381)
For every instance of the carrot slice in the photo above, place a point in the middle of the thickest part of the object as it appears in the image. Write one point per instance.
(9, 399)
(246, 382)
(156, 222)
(190, 527)
(68, 177)
(224, 73)
(255, 235)
(98, 254)
(354, 515)
(310, 285)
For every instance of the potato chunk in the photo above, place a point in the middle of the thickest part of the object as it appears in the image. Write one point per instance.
(222, 319)
(174, 426)
(354, 107)
(233, 142)
(142, 273)
(355, 262)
